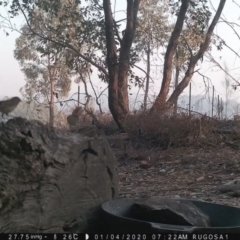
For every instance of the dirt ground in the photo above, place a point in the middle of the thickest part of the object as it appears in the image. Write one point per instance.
(179, 172)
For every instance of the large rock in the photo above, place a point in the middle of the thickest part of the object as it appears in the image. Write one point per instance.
(52, 181)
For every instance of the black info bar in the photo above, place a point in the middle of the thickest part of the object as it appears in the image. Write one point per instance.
(125, 236)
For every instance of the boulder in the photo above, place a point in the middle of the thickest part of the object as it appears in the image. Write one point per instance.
(52, 180)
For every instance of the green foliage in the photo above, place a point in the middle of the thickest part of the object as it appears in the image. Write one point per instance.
(77, 31)
(39, 61)
(193, 34)
(68, 25)
(153, 25)
(153, 28)
(55, 33)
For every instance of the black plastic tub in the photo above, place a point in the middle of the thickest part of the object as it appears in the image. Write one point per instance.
(117, 217)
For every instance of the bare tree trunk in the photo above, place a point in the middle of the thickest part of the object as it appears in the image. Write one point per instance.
(52, 74)
(177, 69)
(112, 62)
(227, 89)
(167, 72)
(148, 77)
(51, 103)
(194, 59)
(172, 45)
(118, 100)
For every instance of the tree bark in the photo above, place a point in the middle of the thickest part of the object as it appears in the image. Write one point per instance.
(177, 70)
(194, 59)
(148, 77)
(118, 100)
(52, 74)
(112, 62)
(172, 45)
(124, 58)
(51, 107)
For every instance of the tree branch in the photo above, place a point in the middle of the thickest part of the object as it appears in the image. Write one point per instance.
(206, 43)
(132, 10)
(97, 97)
(224, 43)
(219, 65)
(142, 71)
(63, 44)
(188, 46)
(171, 48)
(110, 43)
(203, 48)
(117, 33)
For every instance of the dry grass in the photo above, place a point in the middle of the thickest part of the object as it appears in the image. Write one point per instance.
(164, 130)
(107, 123)
(60, 120)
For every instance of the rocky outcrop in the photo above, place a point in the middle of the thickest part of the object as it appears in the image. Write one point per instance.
(52, 181)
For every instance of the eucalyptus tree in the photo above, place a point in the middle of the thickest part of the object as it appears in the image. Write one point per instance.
(47, 67)
(194, 14)
(111, 54)
(190, 39)
(152, 33)
(114, 56)
(46, 76)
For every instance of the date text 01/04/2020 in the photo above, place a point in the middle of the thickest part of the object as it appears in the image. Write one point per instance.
(162, 236)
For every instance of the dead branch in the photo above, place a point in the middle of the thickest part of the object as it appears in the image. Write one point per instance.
(219, 65)
(224, 43)
(97, 97)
